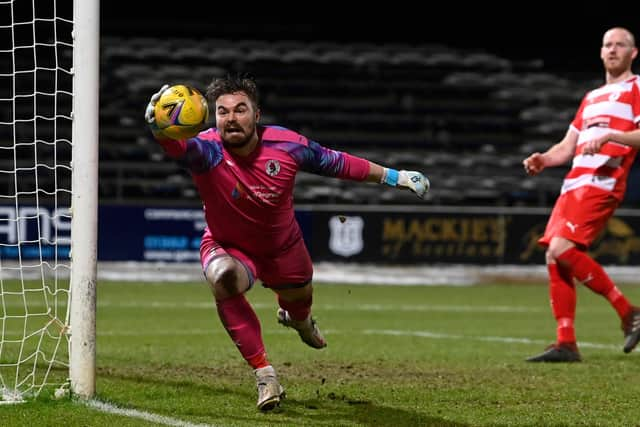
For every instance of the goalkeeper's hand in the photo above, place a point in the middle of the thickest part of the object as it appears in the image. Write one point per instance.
(149, 113)
(414, 181)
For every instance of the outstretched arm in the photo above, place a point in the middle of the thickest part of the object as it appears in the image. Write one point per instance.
(315, 158)
(558, 154)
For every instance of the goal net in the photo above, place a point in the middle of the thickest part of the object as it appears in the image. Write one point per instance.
(48, 186)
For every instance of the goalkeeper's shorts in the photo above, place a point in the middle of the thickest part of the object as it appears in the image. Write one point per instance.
(291, 268)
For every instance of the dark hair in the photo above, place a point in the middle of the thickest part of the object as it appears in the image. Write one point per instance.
(229, 84)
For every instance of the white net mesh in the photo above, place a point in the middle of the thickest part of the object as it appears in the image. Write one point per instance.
(35, 194)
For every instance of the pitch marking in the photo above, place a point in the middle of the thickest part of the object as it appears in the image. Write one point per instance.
(147, 416)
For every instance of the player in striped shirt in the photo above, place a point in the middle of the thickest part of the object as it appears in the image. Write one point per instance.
(602, 140)
(245, 175)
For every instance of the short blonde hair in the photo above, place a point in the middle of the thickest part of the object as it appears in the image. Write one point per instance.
(630, 35)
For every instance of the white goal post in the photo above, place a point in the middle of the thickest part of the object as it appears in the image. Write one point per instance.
(84, 224)
(49, 103)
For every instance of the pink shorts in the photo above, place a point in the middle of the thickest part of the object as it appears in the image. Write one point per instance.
(283, 270)
(580, 216)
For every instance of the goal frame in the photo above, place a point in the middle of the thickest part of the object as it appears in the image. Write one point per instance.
(84, 205)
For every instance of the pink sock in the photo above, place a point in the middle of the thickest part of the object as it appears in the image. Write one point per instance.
(243, 327)
(298, 310)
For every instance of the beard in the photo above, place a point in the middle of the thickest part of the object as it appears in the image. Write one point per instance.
(237, 139)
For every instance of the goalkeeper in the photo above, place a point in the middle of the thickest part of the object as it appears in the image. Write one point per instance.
(245, 175)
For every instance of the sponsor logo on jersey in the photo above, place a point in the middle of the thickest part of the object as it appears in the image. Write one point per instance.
(238, 191)
(598, 121)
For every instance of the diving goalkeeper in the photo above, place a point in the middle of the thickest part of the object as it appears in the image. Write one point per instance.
(245, 175)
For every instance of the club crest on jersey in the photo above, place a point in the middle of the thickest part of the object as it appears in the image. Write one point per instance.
(272, 167)
(614, 96)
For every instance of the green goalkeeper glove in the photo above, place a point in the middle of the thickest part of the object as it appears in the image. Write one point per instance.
(149, 113)
(414, 181)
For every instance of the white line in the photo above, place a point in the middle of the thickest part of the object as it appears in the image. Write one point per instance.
(440, 308)
(335, 307)
(436, 335)
(421, 334)
(147, 416)
(210, 305)
(357, 273)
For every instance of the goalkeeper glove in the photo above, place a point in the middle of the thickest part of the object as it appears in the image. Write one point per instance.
(149, 113)
(414, 181)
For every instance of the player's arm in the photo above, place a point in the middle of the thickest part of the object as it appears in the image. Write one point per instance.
(320, 160)
(557, 155)
(631, 138)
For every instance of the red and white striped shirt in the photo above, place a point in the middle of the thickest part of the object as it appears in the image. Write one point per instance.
(613, 107)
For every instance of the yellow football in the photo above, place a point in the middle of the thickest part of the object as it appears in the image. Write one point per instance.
(181, 112)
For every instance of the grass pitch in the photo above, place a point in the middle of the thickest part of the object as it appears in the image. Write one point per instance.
(397, 356)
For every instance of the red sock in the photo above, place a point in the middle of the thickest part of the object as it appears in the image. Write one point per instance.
(243, 327)
(562, 295)
(298, 310)
(586, 270)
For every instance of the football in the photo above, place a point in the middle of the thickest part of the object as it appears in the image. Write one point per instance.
(181, 112)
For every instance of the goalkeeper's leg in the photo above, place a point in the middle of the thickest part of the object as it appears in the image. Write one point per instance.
(295, 312)
(289, 276)
(243, 327)
(229, 279)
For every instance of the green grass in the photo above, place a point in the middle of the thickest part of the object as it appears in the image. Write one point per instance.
(397, 356)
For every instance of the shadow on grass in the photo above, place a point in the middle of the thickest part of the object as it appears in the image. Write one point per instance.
(340, 410)
(235, 402)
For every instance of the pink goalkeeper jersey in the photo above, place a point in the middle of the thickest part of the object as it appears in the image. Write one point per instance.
(248, 201)
(611, 108)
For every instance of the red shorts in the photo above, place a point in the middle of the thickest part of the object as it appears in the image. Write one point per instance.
(289, 269)
(580, 216)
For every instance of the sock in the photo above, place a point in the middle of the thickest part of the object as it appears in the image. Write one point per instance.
(562, 295)
(593, 276)
(298, 310)
(243, 327)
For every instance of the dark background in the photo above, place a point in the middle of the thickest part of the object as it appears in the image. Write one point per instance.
(565, 39)
(555, 54)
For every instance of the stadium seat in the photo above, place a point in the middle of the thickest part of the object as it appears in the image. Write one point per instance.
(415, 106)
